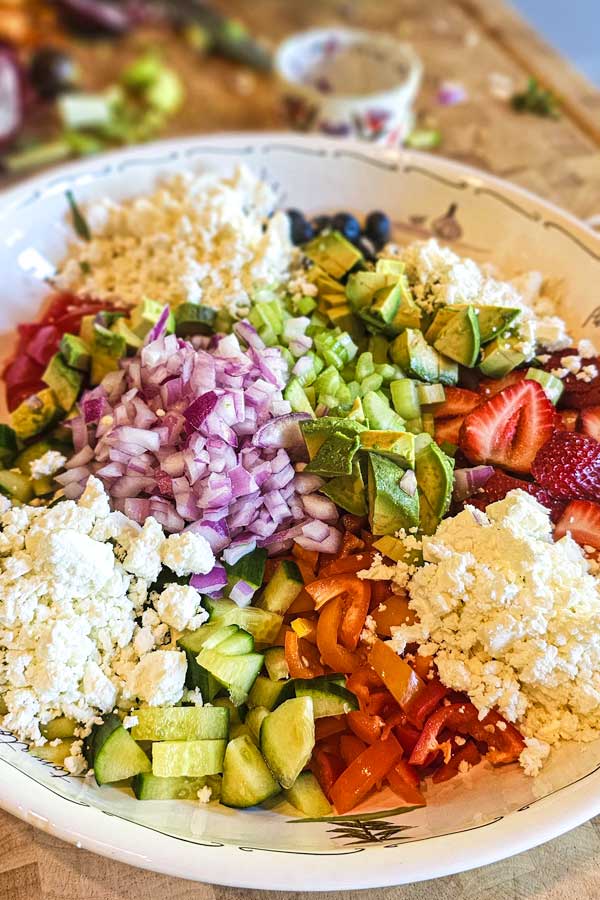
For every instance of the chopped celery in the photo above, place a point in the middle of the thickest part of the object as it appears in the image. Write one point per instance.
(364, 366)
(405, 398)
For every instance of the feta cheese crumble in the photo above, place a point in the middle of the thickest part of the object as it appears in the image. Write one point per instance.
(513, 619)
(47, 465)
(198, 238)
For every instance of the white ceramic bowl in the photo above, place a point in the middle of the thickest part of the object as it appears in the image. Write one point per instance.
(476, 819)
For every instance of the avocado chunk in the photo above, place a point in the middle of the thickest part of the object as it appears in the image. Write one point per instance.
(413, 354)
(391, 507)
(8, 445)
(387, 265)
(335, 456)
(501, 357)
(459, 338)
(194, 318)
(107, 349)
(435, 480)
(123, 329)
(494, 320)
(348, 491)
(35, 414)
(333, 253)
(399, 446)
(442, 317)
(75, 352)
(64, 381)
(86, 329)
(316, 431)
(331, 292)
(361, 286)
(145, 315)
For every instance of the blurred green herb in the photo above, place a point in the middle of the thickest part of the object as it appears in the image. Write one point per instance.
(537, 100)
(79, 224)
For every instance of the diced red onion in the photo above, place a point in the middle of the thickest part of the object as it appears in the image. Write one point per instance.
(73, 491)
(85, 455)
(242, 593)
(468, 481)
(316, 531)
(72, 475)
(408, 483)
(319, 507)
(281, 432)
(211, 582)
(238, 548)
(331, 544)
(159, 329)
(216, 533)
(247, 333)
(79, 433)
(306, 484)
(137, 508)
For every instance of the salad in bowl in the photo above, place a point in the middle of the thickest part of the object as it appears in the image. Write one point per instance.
(296, 511)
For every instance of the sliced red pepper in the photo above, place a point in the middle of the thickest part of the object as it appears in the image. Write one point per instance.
(356, 609)
(367, 770)
(325, 589)
(310, 557)
(380, 594)
(368, 728)
(351, 747)
(408, 736)
(404, 781)
(350, 544)
(426, 702)
(378, 703)
(301, 657)
(303, 603)
(329, 725)
(332, 653)
(347, 566)
(354, 523)
(364, 682)
(400, 679)
(469, 753)
(395, 612)
(326, 768)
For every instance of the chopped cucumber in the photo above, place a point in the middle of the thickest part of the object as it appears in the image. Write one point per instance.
(405, 397)
(247, 780)
(16, 485)
(254, 720)
(268, 693)
(53, 754)
(191, 758)
(8, 445)
(287, 739)
(113, 754)
(152, 787)
(236, 673)
(329, 698)
(61, 727)
(193, 318)
(264, 626)
(238, 644)
(283, 588)
(276, 665)
(181, 723)
(250, 568)
(306, 795)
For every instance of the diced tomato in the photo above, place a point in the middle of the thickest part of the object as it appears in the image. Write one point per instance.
(351, 747)
(367, 770)
(404, 781)
(326, 768)
(44, 344)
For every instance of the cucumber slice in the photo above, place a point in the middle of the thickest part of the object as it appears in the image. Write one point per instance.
(254, 720)
(276, 665)
(269, 693)
(181, 723)
(191, 758)
(329, 698)
(264, 626)
(282, 589)
(246, 777)
(16, 485)
(113, 753)
(60, 727)
(306, 795)
(192, 642)
(287, 739)
(236, 673)
(8, 445)
(151, 787)
(249, 568)
(238, 644)
(192, 318)
(55, 755)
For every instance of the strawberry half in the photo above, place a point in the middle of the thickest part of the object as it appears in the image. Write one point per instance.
(568, 466)
(498, 486)
(448, 430)
(582, 519)
(458, 402)
(508, 429)
(590, 422)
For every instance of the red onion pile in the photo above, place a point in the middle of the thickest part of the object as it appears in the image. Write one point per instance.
(198, 435)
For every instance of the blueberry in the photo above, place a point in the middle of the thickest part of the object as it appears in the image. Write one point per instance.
(347, 224)
(320, 223)
(301, 231)
(378, 228)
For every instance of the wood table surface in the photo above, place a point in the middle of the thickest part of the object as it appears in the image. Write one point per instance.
(472, 42)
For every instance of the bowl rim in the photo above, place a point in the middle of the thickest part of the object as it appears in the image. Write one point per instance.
(115, 837)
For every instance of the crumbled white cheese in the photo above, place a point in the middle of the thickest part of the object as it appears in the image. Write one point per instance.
(587, 374)
(179, 606)
(513, 619)
(158, 678)
(198, 238)
(205, 794)
(47, 465)
(75, 763)
(187, 554)
(534, 755)
(438, 276)
(586, 349)
(130, 721)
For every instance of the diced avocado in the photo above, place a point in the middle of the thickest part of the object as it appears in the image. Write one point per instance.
(316, 431)
(494, 320)
(16, 485)
(64, 381)
(399, 446)
(430, 394)
(378, 347)
(390, 266)
(333, 253)
(448, 371)
(122, 328)
(342, 317)
(441, 319)
(380, 414)
(412, 353)
(408, 314)
(194, 318)
(107, 349)
(390, 506)
(331, 292)
(435, 480)
(295, 394)
(44, 485)
(75, 352)
(35, 414)
(8, 445)
(553, 386)
(145, 315)
(361, 287)
(86, 329)
(500, 357)
(459, 338)
(348, 491)
(386, 302)
(335, 456)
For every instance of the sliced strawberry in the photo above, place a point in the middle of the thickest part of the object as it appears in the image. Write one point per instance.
(567, 419)
(582, 519)
(448, 430)
(568, 466)
(458, 402)
(498, 486)
(509, 428)
(490, 386)
(590, 422)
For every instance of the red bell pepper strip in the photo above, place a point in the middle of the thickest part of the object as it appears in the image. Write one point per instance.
(328, 726)
(351, 747)
(404, 781)
(367, 728)
(332, 653)
(325, 589)
(426, 702)
(469, 753)
(309, 557)
(361, 776)
(356, 608)
(350, 544)
(347, 566)
(408, 736)
(395, 612)
(326, 768)
(400, 679)
(302, 657)
(363, 682)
